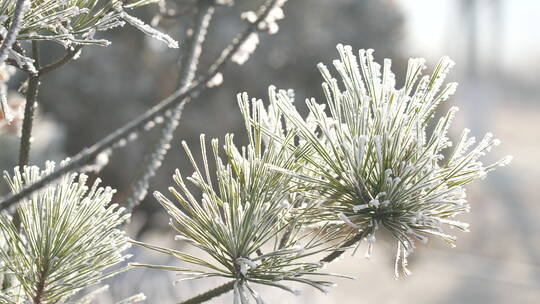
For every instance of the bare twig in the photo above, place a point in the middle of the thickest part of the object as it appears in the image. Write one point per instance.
(188, 67)
(68, 57)
(88, 155)
(29, 108)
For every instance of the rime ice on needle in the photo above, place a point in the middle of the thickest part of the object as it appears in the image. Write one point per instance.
(145, 28)
(372, 161)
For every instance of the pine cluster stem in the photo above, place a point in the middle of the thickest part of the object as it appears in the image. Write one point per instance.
(210, 294)
(338, 252)
(40, 288)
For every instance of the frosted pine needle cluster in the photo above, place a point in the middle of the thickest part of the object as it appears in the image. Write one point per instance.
(373, 162)
(245, 220)
(62, 239)
(75, 22)
(362, 162)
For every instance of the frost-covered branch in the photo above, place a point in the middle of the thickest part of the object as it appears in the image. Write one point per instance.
(29, 109)
(70, 55)
(153, 160)
(191, 52)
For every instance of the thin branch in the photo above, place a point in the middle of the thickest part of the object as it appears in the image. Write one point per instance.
(338, 252)
(11, 35)
(70, 54)
(40, 288)
(17, 48)
(111, 141)
(188, 67)
(14, 63)
(68, 57)
(29, 109)
(212, 293)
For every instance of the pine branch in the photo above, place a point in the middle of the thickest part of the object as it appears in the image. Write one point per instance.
(210, 294)
(111, 141)
(338, 252)
(188, 67)
(68, 57)
(29, 109)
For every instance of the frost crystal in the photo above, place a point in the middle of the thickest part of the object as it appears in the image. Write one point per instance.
(217, 80)
(246, 49)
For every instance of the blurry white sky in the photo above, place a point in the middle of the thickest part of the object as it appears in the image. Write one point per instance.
(435, 28)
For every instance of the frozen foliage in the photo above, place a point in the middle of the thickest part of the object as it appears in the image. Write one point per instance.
(373, 163)
(325, 182)
(75, 22)
(62, 239)
(244, 221)
(302, 191)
